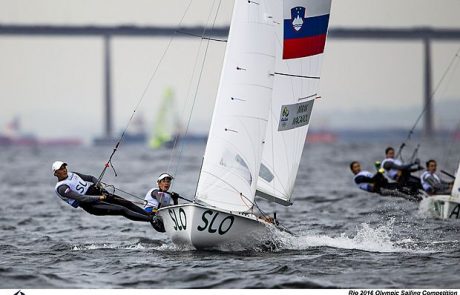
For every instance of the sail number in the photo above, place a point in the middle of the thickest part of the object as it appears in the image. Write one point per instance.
(209, 218)
(300, 120)
(180, 220)
(295, 115)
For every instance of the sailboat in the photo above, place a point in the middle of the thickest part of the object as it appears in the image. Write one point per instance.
(169, 131)
(269, 81)
(445, 206)
(165, 122)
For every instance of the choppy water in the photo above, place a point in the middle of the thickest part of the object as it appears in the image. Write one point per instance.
(344, 238)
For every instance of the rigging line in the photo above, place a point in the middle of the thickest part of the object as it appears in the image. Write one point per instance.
(198, 181)
(202, 37)
(113, 188)
(307, 97)
(426, 104)
(264, 214)
(253, 203)
(199, 80)
(134, 196)
(118, 189)
(448, 174)
(251, 208)
(297, 76)
(414, 154)
(109, 162)
(451, 147)
(173, 150)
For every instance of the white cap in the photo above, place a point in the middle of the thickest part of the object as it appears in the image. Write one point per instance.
(164, 175)
(57, 165)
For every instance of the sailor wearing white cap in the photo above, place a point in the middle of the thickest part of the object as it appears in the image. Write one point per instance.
(160, 197)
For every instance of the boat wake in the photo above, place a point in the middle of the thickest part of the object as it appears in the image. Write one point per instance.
(138, 245)
(378, 239)
(426, 209)
(366, 238)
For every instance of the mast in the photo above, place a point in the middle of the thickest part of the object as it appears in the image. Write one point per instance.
(427, 91)
(107, 88)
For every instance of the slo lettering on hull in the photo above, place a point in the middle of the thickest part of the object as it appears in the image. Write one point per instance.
(209, 221)
(180, 220)
(210, 224)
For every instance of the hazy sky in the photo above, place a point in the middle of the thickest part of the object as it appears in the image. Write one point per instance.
(56, 85)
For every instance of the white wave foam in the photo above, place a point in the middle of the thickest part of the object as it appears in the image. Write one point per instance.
(366, 239)
(134, 246)
(92, 247)
(425, 208)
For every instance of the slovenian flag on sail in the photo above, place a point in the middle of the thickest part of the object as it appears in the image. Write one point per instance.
(305, 27)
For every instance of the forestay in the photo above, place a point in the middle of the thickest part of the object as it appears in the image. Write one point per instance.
(233, 154)
(300, 38)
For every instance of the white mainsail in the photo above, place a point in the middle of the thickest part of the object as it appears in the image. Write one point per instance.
(233, 154)
(298, 65)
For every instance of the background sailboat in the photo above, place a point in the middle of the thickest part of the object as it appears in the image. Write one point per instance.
(269, 81)
(444, 206)
(165, 121)
(168, 130)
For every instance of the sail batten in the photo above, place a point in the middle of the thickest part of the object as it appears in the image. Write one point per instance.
(272, 198)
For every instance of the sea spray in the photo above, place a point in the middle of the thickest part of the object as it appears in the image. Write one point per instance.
(377, 239)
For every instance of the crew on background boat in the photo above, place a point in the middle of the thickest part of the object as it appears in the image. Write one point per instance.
(378, 183)
(369, 182)
(80, 190)
(160, 197)
(432, 183)
(401, 173)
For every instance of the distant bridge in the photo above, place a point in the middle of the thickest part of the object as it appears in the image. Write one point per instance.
(424, 35)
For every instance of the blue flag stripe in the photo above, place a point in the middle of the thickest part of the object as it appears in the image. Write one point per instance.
(312, 26)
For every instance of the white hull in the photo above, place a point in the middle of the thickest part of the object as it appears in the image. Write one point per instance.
(203, 227)
(442, 206)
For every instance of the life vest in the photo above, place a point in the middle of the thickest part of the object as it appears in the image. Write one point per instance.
(366, 186)
(391, 173)
(160, 199)
(426, 185)
(76, 184)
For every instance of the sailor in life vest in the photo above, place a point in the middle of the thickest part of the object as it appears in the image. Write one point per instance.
(395, 170)
(80, 190)
(159, 196)
(432, 183)
(367, 181)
